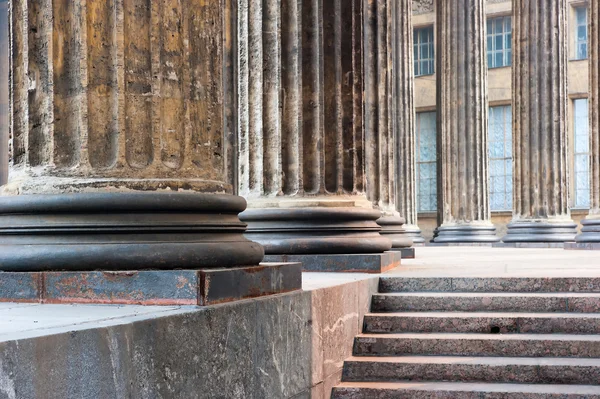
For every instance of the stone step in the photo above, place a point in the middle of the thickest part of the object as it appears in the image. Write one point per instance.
(491, 302)
(448, 344)
(461, 322)
(457, 390)
(520, 370)
(489, 284)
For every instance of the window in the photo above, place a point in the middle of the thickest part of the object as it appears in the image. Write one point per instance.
(424, 54)
(582, 152)
(426, 162)
(500, 149)
(499, 42)
(581, 34)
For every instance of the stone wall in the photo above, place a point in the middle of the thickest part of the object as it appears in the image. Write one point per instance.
(286, 346)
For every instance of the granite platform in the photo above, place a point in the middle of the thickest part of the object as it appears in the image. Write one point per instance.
(282, 346)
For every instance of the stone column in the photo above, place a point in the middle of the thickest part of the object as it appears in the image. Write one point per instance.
(4, 109)
(300, 128)
(120, 158)
(462, 109)
(404, 121)
(590, 231)
(380, 35)
(541, 185)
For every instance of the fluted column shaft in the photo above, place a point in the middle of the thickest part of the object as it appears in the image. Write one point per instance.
(4, 108)
(302, 132)
(590, 232)
(541, 185)
(118, 94)
(404, 119)
(299, 102)
(463, 210)
(118, 124)
(380, 36)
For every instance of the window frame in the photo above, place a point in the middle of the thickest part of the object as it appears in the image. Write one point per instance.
(418, 45)
(575, 32)
(491, 36)
(419, 162)
(507, 141)
(575, 154)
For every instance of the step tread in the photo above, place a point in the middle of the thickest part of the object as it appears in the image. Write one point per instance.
(487, 337)
(490, 294)
(476, 387)
(476, 360)
(489, 314)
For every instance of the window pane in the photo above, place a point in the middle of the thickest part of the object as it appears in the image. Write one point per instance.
(423, 51)
(500, 150)
(581, 15)
(498, 60)
(426, 161)
(499, 40)
(581, 149)
(582, 33)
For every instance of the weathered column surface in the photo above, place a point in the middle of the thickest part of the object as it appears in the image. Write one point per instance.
(300, 127)
(541, 186)
(404, 120)
(380, 124)
(118, 145)
(590, 231)
(463, 205)
(4, 109)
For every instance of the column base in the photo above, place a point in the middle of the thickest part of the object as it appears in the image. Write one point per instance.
(316, 231)
(465, 233)
(590, 233)
(151, 287)
(540, 231)
(349, 263)
(414, 232)
(407, 253)
(392, 228)
(124, 231)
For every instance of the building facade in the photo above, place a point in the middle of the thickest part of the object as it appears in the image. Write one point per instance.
(499, 50)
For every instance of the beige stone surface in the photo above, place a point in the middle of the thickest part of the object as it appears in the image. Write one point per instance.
(499, 262)
(117, 96)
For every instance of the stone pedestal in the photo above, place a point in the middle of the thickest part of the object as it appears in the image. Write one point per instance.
(120, 160)
(590, 231)
(541, 166)
(464, 209)
(299, 119)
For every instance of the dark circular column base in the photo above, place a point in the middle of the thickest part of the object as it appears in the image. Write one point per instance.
(124, 231)
(465, 233)
(590, 231)
(392, 228)
(540, 231)
(316, 231)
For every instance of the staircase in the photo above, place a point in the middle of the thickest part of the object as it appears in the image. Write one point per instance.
(478, 338)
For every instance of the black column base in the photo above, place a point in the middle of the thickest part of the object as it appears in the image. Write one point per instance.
(590, 233)
(124, 231)
(316, 231)
(392, 228)
(540, 231)
(465, 233)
